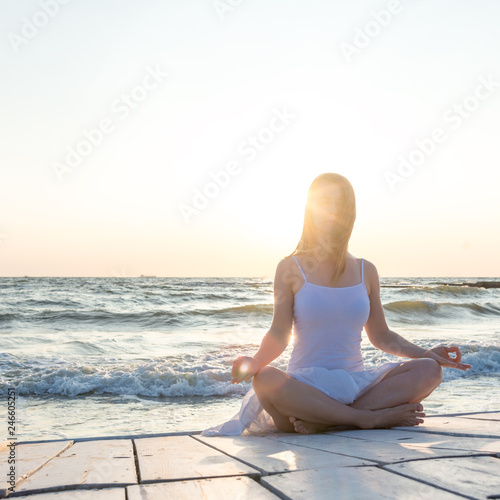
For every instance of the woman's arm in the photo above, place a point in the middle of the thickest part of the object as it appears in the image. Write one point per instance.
(376, 327)
(391, 342)
(278, 337)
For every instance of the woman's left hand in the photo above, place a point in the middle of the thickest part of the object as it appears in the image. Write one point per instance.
(440, 354)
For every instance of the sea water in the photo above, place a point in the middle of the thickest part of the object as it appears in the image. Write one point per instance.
(92, 357)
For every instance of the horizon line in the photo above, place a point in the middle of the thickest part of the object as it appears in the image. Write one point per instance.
(231, 277)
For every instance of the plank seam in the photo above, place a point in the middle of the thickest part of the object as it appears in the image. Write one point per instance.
(482, 419)
(275, 490)
(441, 457)
(99, 438)
(418, 445)
(70, 487)
(23, 478)
(251, 475)
(453, 433)
(136, 462)
(427, 483)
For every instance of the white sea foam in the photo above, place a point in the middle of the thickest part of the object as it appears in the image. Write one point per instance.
(176, 377)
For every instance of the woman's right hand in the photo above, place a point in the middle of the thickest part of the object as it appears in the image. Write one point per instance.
(244, 368)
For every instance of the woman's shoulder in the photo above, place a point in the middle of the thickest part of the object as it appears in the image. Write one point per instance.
(287, 277)
(288, 268)
(291, 263)
(370, 276)
(287, 264)
(369, 266)
(369, 270)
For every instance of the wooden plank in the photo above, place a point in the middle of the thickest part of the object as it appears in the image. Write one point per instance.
(269, 455)
(458, 426)
(28, 459)
(104, 494)
(477, 477)
(361, 483)
(230, 488)
(182, 457)
(87, 464)
(426, 440)
(364, 449)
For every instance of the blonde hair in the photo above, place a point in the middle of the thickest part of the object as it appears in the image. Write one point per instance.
(336, 250)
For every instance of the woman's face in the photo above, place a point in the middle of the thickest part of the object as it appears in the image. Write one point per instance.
(325, 207)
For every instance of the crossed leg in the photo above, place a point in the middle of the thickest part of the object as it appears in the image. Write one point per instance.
(299, 407)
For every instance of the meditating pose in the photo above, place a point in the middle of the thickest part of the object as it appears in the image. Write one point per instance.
(326, 295)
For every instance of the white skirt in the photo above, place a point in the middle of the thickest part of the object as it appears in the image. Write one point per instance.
(340, 385)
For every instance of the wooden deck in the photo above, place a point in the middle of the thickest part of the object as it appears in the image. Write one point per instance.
(448, 457)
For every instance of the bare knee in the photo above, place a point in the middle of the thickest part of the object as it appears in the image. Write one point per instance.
(268, 380)
(430, 372)
(263, 377)
(433, 368)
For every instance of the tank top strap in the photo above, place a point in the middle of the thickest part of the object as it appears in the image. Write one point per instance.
(362, 270)
(300, 267)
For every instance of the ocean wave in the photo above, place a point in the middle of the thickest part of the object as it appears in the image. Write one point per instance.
(30, 302)
(422, 310)
(151, 380)
(184, 375)
(485, 361)
(6, 317)
(442, 290)
(244, 309)
(476, 284)
(173, 315)
(95, 318)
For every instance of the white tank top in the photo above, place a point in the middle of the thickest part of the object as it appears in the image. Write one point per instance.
(327, 325)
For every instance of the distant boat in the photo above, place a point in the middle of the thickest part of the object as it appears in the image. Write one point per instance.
(147, 276)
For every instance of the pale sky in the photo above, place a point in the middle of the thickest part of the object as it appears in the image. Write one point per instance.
(117, 115)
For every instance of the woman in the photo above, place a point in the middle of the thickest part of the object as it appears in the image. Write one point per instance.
(328, 296)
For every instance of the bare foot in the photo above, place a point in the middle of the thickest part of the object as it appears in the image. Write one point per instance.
(303, 427)
(402, 415)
